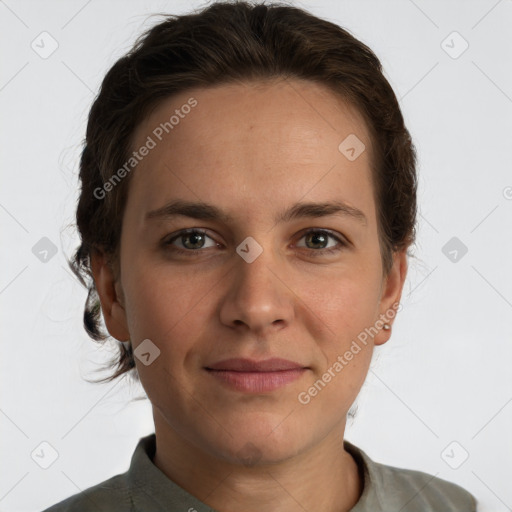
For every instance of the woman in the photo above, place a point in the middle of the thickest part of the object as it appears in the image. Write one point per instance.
(248, 200)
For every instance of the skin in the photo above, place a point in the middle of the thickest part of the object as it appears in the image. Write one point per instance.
(252, 149)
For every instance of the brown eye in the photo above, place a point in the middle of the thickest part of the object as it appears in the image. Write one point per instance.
(317, 241)
(191, 240)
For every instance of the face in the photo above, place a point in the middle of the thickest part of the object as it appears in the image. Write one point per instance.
(256, 276)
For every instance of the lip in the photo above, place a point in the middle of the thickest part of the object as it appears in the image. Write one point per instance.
(249, 365)
(251, 376)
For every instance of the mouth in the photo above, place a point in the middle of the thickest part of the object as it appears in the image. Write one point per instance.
(250, 376)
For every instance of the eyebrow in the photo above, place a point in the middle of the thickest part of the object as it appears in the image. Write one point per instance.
(205, 211)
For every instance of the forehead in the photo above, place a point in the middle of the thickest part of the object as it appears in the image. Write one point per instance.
(258, 141)
(301, 108)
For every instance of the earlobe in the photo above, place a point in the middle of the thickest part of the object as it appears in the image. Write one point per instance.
(110, 295)
(391, 293)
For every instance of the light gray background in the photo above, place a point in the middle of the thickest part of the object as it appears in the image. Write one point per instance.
(444, 376)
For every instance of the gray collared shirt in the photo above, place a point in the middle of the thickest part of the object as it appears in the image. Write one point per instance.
(144, 488)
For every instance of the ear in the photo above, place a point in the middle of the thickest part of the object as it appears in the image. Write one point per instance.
(391, 292)
(111, 296)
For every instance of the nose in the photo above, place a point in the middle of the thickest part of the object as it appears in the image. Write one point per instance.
(257, 297)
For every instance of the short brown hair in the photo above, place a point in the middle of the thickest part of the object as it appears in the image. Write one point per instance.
(227, 42)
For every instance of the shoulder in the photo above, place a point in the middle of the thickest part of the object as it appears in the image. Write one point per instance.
(112, 495)
(389, 488)
(419, 491)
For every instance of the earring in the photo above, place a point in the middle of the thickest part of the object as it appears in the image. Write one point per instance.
(386, 327)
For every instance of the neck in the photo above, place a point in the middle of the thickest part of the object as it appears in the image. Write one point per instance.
(324, 477)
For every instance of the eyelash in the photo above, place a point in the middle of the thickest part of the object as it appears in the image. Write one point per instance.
(314, 252)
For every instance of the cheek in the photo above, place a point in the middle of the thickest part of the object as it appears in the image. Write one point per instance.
(347, 307)
(346, 303)
(164, 307)
(160, 301)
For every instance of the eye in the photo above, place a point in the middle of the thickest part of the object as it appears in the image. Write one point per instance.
(320, 237)
(189, 240)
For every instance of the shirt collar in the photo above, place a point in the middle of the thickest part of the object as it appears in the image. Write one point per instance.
(151, 489)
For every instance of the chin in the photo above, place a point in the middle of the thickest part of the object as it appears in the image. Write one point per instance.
(254, 453)
(258, 446)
